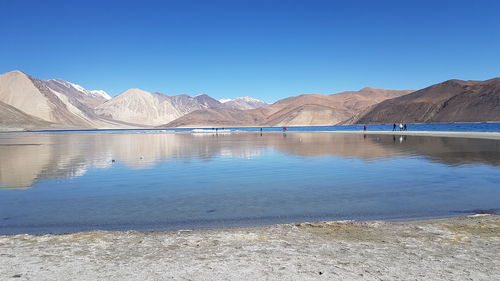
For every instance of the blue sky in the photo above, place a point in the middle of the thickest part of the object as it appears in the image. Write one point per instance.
(266, 49)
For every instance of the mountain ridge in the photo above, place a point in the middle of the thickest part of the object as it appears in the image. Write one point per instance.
(450, 101)
(30, 103)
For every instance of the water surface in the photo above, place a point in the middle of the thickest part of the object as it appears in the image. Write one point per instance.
(67, 182)
(443, 127)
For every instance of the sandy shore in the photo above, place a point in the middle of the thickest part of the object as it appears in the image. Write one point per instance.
(466, 248)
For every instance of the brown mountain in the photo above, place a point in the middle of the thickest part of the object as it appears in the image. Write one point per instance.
(303, 110)
(450, 101)
(13, 119)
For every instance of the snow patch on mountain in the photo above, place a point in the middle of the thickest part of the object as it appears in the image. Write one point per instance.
(69, 85)
(247, 99)
(101, 93)
(243, 103)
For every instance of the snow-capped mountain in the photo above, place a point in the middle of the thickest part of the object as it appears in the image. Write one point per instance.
(95, 93)
(92, 98)
(100, 93)
(243, 103)
(55, 103)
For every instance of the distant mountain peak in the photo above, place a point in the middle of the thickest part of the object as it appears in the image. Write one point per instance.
(135, 91)
(242, 103)
(367, 89)
(16, 73)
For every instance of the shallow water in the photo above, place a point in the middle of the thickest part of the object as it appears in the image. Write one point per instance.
(67, 182)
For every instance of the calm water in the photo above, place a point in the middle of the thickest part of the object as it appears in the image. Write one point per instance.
(66, 182)
(447, 127)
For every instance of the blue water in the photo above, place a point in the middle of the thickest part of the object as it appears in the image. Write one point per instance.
(150, 181)
(448, 127)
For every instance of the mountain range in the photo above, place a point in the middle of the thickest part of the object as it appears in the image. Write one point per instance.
(30, 103)
(27, 103)
(303, 110)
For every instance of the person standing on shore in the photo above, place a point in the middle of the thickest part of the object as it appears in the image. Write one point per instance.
(364, 128)
(400, 126)
(404, 127)
(394, 127)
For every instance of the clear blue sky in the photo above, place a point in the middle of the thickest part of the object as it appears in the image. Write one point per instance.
(266, 49)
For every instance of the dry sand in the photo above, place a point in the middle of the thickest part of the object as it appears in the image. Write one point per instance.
(466, 248)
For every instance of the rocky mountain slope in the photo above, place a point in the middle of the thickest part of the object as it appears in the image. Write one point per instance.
(90, 98)
(139, 107)
(153, 109)
(450, 101)
(12, 119)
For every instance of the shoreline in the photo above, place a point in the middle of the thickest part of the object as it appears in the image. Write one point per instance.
(458, 248)
(245, 225)
(456, 134)
(219, 126)
(477, 135)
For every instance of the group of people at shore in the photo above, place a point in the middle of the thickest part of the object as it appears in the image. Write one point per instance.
(402, 127)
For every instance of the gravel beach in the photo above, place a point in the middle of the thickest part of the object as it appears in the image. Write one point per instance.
(465, 248)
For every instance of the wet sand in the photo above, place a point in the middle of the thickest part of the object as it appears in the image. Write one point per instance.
(466, 248)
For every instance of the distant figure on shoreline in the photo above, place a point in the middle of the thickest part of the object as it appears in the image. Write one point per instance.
(364, 128)
(284, 129)
(394, 127)
(400, 126)
(404, 127)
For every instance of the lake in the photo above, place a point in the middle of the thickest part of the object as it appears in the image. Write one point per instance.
(160, 180)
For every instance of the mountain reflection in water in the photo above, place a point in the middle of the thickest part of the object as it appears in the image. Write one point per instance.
(28, 157)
